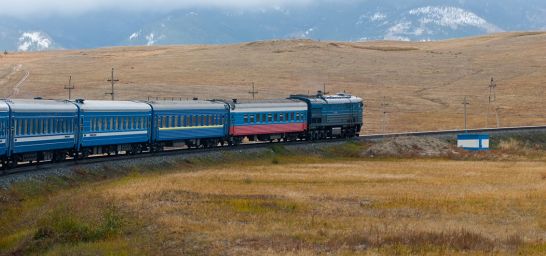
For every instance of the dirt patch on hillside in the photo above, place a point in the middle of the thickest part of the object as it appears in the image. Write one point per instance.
(410, 146)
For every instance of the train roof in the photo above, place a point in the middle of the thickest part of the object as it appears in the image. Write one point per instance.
(112, 106)
(37, 105)
(187, 105)
(340, 98)
(268, 105)
(4, 106)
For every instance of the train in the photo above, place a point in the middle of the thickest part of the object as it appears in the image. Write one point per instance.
(37, 130)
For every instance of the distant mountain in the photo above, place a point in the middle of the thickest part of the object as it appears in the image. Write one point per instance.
(415, 20)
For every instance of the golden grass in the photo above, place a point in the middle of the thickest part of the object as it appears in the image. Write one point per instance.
(289, 204)
(360, 206)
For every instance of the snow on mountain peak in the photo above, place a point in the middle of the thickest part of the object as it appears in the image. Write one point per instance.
(152, 38)
(452, 17)
(34, 41)
(135, 35)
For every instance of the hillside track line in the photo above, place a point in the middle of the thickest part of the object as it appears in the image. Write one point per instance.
(34, 167)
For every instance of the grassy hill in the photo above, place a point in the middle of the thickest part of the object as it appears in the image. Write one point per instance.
(422, 84)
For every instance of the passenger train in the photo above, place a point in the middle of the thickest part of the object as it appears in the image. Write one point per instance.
(54, 130)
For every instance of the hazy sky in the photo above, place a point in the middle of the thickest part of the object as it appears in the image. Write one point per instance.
(56, 7)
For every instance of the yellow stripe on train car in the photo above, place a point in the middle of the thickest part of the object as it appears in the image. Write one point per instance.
(190, 128)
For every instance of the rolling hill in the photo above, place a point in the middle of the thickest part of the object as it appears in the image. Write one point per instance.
(420, 85)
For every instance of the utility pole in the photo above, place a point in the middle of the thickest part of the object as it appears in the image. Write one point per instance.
(492, 88)
(384, 106)
(492, 98)
(324, 92)
(253, 92)
(113, 81)
(69, 87)
(465, 103)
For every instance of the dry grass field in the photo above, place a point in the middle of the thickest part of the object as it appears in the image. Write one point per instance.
(423, 84)
(288, 204)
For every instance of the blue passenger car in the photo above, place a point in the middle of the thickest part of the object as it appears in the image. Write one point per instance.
(108, 127)
(4, 131)
(42, 129)
(193, 123)
(267, 120)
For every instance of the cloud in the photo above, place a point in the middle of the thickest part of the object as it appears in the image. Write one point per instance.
(64, 7)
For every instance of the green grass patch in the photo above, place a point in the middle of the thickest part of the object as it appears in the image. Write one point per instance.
(64, 226)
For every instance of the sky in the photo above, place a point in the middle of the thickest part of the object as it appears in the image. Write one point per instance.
(21, 8)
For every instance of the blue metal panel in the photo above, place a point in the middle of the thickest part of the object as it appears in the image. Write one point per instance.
(4, 131)
(238, 118)
(181, 125)
(114, 128)
(39, 131)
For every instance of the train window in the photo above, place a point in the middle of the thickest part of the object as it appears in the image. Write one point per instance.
(245, 118)
(46, 124)
(269, 117)
(276, 117)
(252, 119)
(258, 118)
(193, 120)
(210, 120)
(31, 126)
(281, 117)
(42, 126)
(292, 116)
(100, 128)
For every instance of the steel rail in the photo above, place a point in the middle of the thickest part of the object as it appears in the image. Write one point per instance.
(188, 151)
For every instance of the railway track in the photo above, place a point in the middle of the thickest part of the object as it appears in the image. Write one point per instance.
(373, 137)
